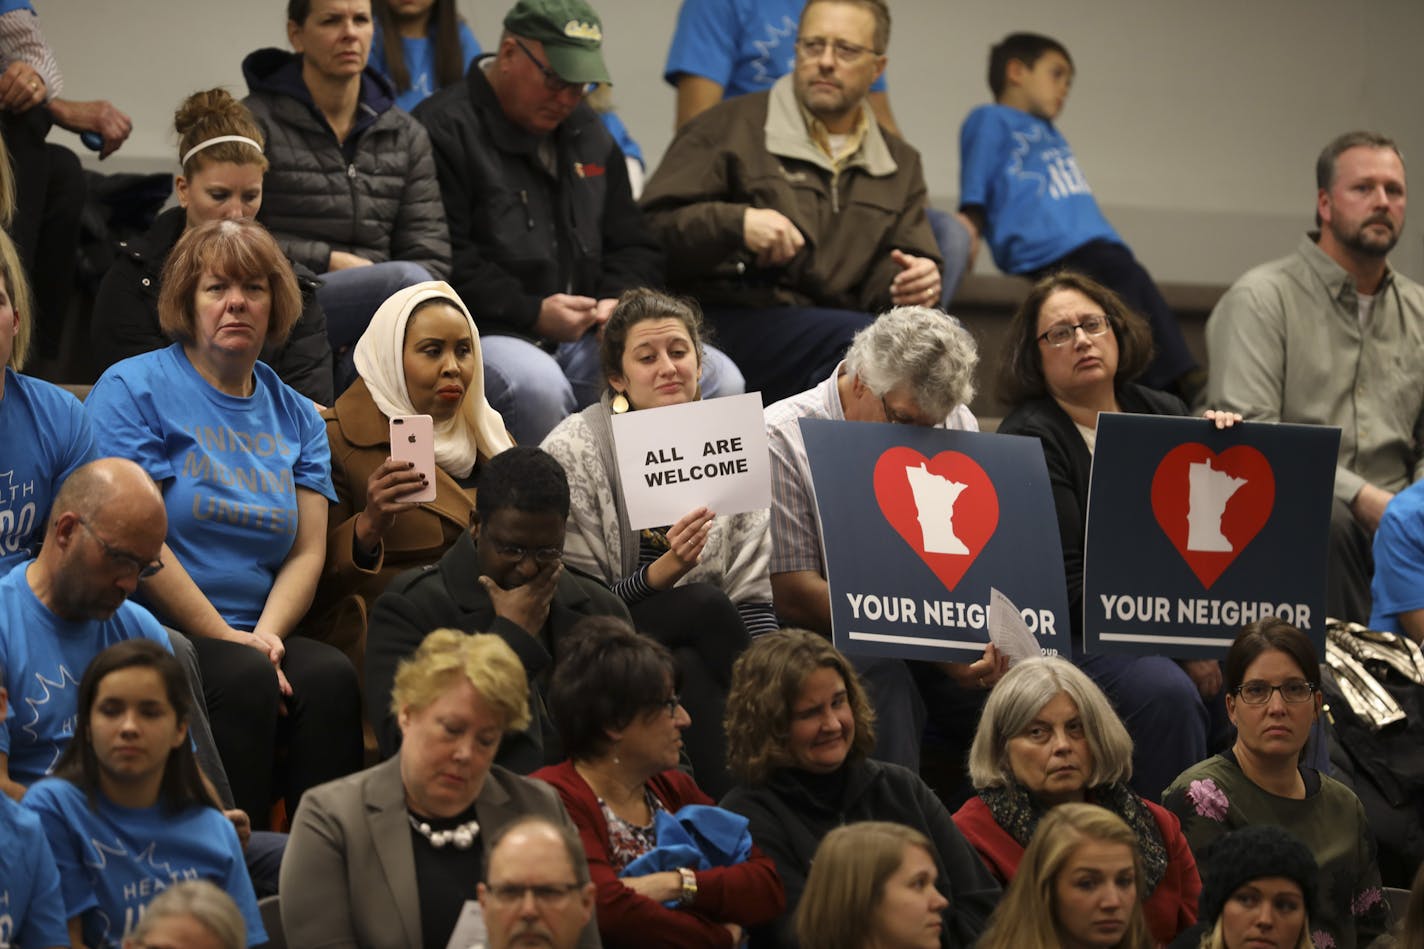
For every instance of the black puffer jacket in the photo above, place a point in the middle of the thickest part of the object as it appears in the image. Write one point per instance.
(521, 233)
(126, 313)
(374, 195)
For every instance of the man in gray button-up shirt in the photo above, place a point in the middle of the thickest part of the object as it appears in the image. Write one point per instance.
(1331, 336)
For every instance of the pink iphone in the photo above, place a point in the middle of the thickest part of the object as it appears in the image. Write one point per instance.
(413, 439)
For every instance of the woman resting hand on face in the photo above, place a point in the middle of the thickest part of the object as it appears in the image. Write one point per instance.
(1077, 887)
(1049, 736)
(1274, 698)
(420, 355)
(699, 586)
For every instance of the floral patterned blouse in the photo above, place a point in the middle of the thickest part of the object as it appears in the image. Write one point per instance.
(629, 841)
(1215, 797)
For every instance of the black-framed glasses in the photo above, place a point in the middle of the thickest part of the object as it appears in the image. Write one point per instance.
(1258, 691)
(553, 81)
(144, 568)
(551, 895)
(671, 704)
(541, 555)
(1063, 333)
(847, 54)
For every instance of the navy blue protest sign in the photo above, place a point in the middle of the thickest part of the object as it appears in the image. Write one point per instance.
(917, 524)
(1194, 532)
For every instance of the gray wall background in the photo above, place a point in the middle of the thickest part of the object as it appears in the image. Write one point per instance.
(1197, 124)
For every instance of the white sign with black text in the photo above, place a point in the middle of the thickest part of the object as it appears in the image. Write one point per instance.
(674, 459)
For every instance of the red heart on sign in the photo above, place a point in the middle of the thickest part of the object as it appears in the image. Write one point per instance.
(945, 508)
(1210, 506)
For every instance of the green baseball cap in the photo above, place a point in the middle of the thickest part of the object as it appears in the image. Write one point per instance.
(571, 32)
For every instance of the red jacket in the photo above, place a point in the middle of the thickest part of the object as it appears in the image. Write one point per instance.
(1170, 908)
(748, 894)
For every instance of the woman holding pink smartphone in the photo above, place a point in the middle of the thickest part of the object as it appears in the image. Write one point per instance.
(420, 375)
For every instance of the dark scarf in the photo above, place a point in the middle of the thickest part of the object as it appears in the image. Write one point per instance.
(1018, 813)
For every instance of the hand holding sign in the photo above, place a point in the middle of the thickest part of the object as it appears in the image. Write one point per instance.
(982, 673)
(686, 539)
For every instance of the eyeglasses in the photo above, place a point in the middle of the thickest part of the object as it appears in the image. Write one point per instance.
(552, 80)
(1063, 333)
(1258, 692)
(549, 895)
(671, 704)
(145, 568)
(541, 555)
(814, 47)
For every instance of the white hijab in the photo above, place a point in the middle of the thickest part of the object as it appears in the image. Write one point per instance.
(379, 360)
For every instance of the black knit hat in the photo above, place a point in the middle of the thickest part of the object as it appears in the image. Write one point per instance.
(1253, 853)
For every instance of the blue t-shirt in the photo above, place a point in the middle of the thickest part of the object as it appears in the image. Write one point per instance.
(45, 435)
(113, 862)
(420, 62)
(1037, 204)
(742, 45)
(43, 658)
(229, 468)
(31, 908)
(1398, 584)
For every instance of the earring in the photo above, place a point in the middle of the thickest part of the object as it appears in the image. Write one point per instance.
(620, 404)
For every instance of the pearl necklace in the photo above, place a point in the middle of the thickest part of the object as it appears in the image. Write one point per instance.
(463, 836)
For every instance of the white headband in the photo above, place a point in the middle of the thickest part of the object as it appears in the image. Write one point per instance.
(217, 141)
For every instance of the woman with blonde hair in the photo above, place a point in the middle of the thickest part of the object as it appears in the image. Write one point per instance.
(872, 884)
(222, 167)
(1076, 887)
(391, 855)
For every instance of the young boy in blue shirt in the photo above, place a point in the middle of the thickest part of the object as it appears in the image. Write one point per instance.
(1021, 188)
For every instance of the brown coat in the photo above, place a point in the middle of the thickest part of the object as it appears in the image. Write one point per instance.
(755, 151)
(360, 443)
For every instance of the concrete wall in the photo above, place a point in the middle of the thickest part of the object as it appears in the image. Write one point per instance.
(1196, 123)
